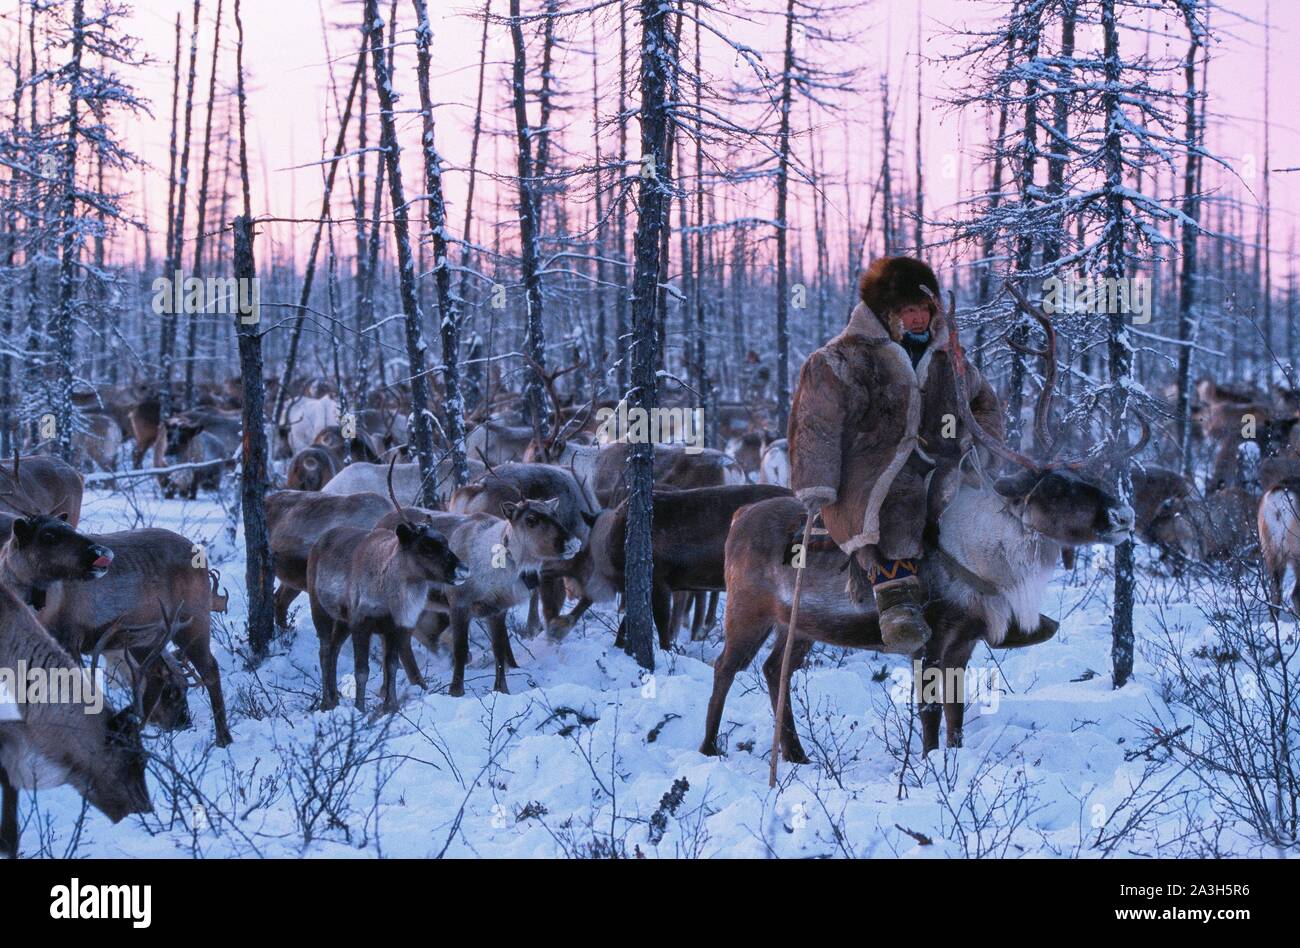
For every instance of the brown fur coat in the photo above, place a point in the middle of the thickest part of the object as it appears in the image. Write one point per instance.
(873, 439)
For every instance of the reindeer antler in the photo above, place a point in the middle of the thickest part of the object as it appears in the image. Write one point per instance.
(392, 495)
(1043, 408)
(960, 379)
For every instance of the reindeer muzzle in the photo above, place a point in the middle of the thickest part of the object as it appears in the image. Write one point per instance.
(571, 548)
(101, 560)
(460, 575)
(1121, 523)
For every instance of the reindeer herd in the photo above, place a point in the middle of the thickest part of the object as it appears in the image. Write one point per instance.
(542, 522)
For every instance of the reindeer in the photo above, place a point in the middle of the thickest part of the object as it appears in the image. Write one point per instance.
(361, 478)
(774, 466)
(996, 548)
(312, 468)
(92, 590)
(689, 533)
(41, 483)
(513, 482)
(296, 520)
(47, 744)
(1278, 521)
(377, 581)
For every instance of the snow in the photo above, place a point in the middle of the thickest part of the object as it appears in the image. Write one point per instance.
(587, 746)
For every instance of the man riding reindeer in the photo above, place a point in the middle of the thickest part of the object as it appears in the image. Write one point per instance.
(876, 439)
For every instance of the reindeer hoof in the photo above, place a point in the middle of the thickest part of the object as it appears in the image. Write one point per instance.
(559, 627)
(710, 749)
(456, 691)
(795, 755)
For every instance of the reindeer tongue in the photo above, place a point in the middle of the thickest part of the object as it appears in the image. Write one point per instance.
(102, 562)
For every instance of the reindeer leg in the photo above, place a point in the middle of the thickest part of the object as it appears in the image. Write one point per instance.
(460, 651)
(929, 704)
(329, 635)
(680, 603)
(409, 664)
(791, 748)
(8, 818)
(551, 595)
(534, 617)
(744, 639)
(392, 637)
(661, 599)
(697, 617)
(500, 648)
(284, 597)
(210, 672)
(361, 632)
(712, 619)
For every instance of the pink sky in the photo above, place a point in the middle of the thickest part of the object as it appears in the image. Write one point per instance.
(285, 55)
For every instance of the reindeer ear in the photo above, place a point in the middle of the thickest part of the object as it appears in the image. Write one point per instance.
(1016, 485)
(509, 509)
(63, 517)
(405, 533)
(24, 530)
(551, 505)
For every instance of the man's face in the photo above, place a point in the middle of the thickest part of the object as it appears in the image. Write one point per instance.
(915, 317)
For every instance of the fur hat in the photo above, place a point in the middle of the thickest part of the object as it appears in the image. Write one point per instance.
(894, 282)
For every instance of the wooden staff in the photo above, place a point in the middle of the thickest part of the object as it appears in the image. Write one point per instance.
(783, 690)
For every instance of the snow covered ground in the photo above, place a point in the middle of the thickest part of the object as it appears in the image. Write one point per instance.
(586, 756)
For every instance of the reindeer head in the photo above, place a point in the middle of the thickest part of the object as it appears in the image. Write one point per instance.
(121, 789)
(1052, 497)
(427, 551)
(536, 532)
(45, 550)
(181, 429)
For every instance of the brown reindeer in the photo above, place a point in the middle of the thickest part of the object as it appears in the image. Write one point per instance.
(365, 582)
(514, 482)
(360, 477)
(79, 741)
(40, 484)
(92, 590)
(1278, 522)
(296, 520)
(994, 552)
(688, 543)
(312, 468)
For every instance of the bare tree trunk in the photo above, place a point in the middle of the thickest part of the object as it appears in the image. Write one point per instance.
(782, 225)
(309, 276)
(473, 375)
(422, 419)
(178, 232)
(529, 224)
(191, 342)
(1120, 347)
(453, 409)
(625, 273)
(920, 102)
(1025, 241)
(1188, 317)
(69, 244)
(258, 571)
(658, 54)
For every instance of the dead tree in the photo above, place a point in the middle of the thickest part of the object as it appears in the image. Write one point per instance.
(259, 573)
(449, 323)
(422, 418)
